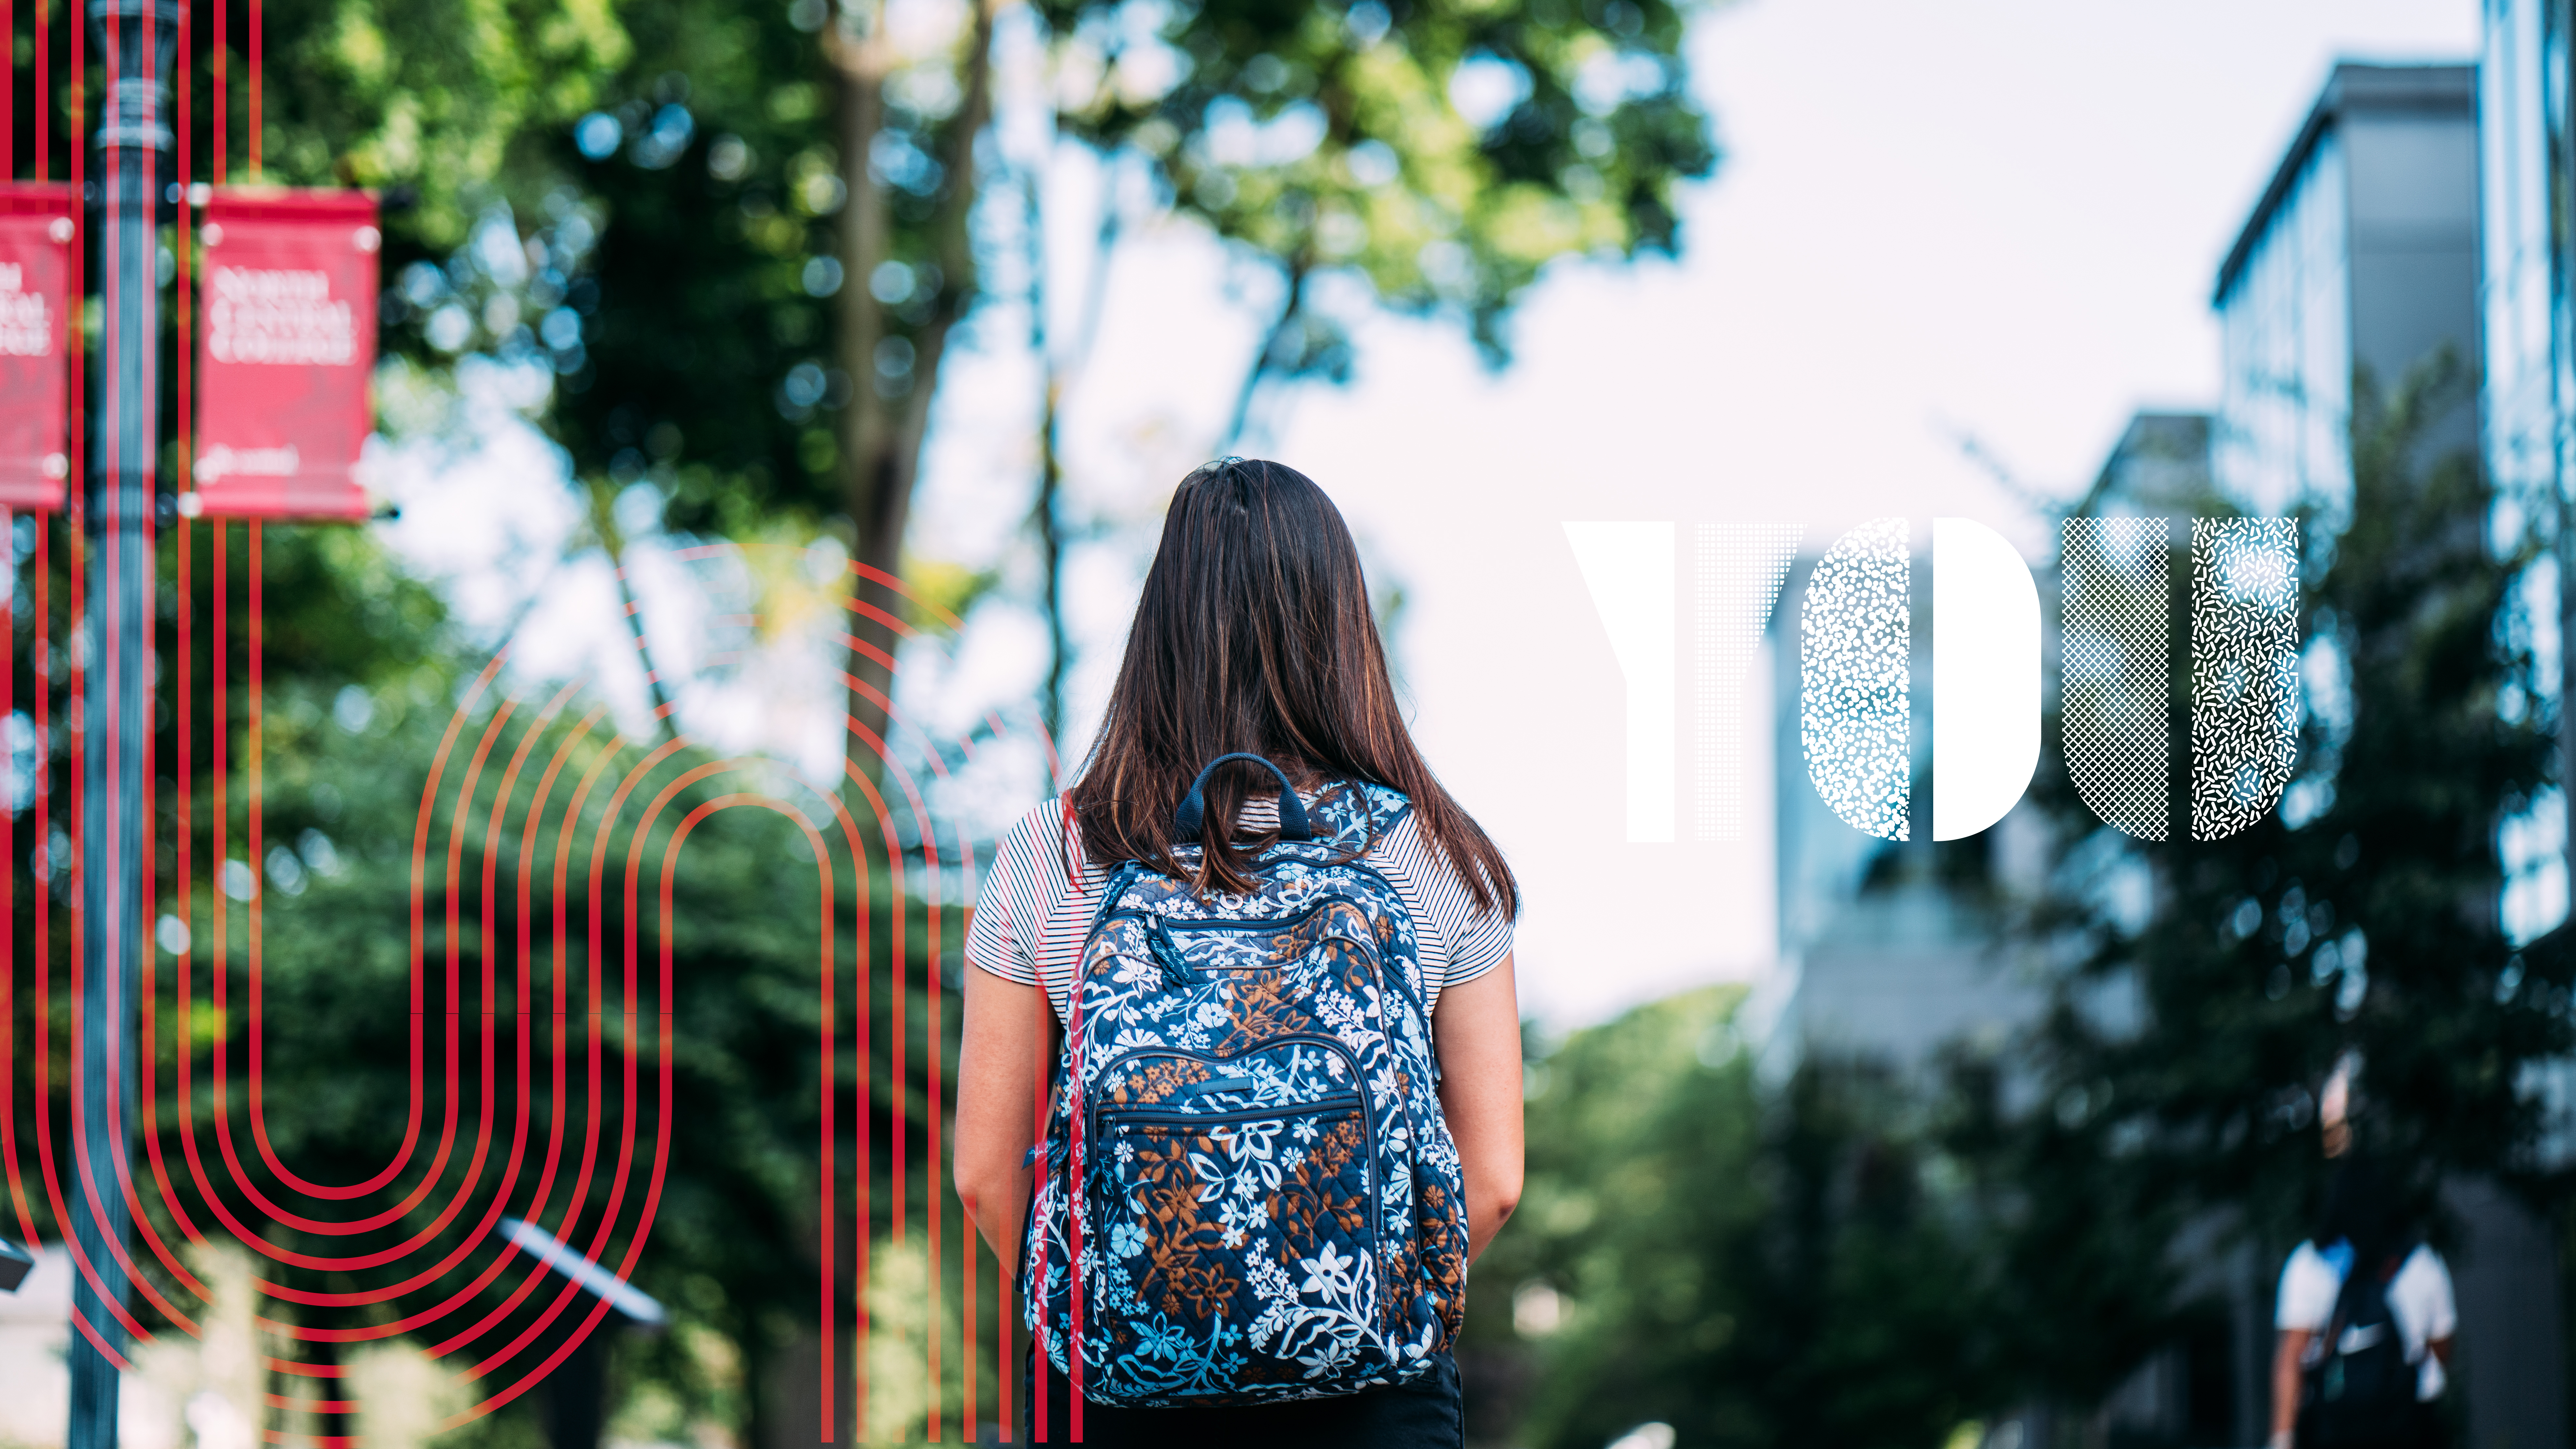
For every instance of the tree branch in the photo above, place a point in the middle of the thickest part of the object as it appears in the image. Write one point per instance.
(1263, 363)
(883, 436)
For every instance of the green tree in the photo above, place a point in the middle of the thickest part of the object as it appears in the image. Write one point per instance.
(1438, 152)
(1752, 1267)
(445, 104)
(753, 250)
(1327, 136)
(734, 1238)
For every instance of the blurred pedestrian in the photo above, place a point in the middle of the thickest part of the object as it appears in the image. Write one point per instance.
(2366, 1317)
(1227, 1218)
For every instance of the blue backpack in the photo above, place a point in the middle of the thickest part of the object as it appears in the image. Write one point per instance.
(1250, 1194)
(2360, 1391)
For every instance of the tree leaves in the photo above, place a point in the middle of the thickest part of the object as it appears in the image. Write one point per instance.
(1444, 151)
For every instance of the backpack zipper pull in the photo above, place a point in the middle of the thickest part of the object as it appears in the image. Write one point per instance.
(1176, 968)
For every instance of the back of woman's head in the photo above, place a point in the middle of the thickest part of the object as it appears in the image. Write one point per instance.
(1254, 634)
(2362, 1208)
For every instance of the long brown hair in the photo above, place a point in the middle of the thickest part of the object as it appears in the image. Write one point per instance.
(1254, 634)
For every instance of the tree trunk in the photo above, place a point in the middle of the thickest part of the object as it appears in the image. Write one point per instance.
(603, 522)
(881, 435)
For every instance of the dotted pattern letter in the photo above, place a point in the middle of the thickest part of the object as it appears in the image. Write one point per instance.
(1855, 707)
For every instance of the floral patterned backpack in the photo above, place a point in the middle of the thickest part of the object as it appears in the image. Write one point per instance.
(1249, 1193)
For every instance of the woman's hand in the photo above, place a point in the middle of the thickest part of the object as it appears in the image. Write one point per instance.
(1008, 1042)
(1477, 1030)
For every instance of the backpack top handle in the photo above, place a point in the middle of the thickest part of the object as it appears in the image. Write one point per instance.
(1191, 817)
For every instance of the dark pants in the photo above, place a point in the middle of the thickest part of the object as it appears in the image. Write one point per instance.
(1427, 1413)
(2415, 1426)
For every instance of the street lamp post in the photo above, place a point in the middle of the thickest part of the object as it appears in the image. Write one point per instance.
(137, 40)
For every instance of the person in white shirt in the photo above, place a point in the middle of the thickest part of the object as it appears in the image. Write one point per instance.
(2359, 1232)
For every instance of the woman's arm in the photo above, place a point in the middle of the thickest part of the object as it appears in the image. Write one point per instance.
(1008, 1037)
(1477, 1031)
(2293, 1347)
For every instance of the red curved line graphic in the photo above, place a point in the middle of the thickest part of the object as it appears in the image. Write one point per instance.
(562, 976)
(600, 837)
(607, 1226)
(617, 1179)
(9, 874)
(447, 1127)
(897, 1077)
(601, 1236)
(518, 1141)
(183, 772)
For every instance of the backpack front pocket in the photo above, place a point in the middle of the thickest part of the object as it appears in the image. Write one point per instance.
(1259, 1219)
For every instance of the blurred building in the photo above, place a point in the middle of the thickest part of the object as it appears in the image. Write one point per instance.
(2527, 397)
(2160, 468)
(2360, 260)
(2529, 389)
(1890, 950)
(1883, 957)
(1894, 953)
(2530, 322)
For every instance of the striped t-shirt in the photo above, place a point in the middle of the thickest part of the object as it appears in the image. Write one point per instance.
(1031, 916)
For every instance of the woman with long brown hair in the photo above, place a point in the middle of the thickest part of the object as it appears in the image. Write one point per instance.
(1253, 639)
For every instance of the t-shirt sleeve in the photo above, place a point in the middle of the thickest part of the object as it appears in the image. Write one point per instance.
(2308, 1291)
(1476, 940)
(1480, 942)
(1012, 905)
(2431, 1306)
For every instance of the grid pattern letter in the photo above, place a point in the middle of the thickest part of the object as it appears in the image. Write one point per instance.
(1739, 568)
(2116, 680)
(1855, 705)
(2244, 669)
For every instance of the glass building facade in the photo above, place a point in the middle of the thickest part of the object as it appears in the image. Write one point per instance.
(2284, 320)
(2530, 365)
(2529, 398)
(2358, 265)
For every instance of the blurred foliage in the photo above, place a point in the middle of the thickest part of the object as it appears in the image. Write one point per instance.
(447, 101)
(668, 253)
(721, 250)
(734, 1233)
(2359, 923)
(364, 676)
(1752, 1267)
(1445, 150)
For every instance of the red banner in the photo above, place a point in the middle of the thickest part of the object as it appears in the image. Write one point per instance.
(36, 237)
(289, 340)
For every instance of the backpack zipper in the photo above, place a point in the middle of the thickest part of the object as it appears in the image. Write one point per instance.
(1368, 1117)
(1343, 1101)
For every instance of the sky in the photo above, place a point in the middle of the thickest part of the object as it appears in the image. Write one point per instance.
(1983, 221)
